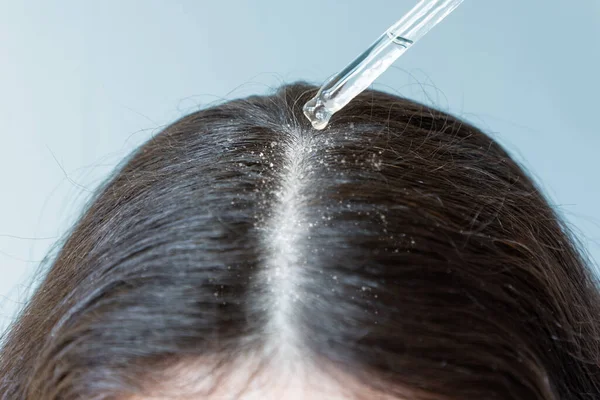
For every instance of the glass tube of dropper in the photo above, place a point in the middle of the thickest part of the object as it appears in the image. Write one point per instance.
(339, 90)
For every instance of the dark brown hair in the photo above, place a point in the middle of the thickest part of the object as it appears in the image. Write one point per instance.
(400, 245)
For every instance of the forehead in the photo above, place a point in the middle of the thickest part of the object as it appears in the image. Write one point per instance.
(244, 381)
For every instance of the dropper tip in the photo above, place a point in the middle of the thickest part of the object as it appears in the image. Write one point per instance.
(317, 113)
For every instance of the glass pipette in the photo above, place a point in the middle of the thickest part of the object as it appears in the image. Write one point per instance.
(362, 72)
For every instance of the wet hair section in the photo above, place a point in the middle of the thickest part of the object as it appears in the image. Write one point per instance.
(400, 251)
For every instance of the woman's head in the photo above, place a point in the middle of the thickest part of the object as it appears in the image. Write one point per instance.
(398, 254)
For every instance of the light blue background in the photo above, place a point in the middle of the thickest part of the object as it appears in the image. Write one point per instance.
(82, 83)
